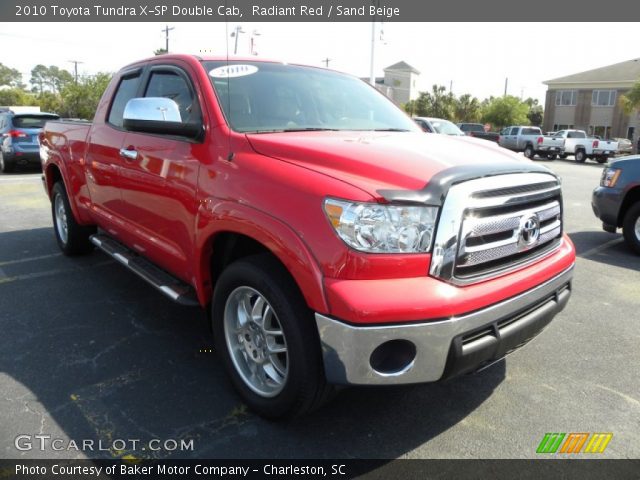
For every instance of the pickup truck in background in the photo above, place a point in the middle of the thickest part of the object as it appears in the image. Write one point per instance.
(331, 241)
(530, 141)
(583, 147)
(476, 130)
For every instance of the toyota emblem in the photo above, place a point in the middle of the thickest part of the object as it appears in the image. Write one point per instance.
(529, 231)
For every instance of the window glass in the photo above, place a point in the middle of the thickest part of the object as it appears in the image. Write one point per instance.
(174, 86)
(531, 131)
(126, 91)
(514, 131)
(603, 98)
(32, 121)
(566, 98)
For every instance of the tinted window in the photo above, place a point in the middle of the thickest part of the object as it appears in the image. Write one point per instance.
(531, 131)
(32, 121)
(127, 90)
(472, 127)
(576, 135)
(514, 130)
(174, 86)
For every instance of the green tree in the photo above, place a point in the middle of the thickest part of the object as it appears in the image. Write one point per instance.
(80, 100)
(51, 78)
(536, 115)
(17, 97)
(160, 51)
(436, 103)
(467, 109)
(10, 77)
(503, 111)
(631, 100)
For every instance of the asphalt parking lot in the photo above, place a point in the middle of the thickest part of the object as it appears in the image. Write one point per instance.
(89, 351)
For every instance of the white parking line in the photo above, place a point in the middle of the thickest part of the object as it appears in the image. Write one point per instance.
(30, 259)
(600, 248)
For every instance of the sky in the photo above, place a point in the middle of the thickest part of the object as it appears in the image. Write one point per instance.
(473, 58)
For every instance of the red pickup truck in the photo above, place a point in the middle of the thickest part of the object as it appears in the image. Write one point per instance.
(332, 242)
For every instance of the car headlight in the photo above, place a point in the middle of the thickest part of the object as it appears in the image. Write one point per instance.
(609, 177)
(378, 228)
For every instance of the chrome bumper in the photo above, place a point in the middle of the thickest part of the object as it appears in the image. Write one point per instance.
(430, 351)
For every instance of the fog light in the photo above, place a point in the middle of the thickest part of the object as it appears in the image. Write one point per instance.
(394, 357)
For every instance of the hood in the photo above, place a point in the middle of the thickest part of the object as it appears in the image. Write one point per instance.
(374, 161)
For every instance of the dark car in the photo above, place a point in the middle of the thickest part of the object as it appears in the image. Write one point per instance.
(19, 137)
(477, 130)
(617, 200)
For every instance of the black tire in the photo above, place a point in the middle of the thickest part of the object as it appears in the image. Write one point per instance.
(629, 224)
(602, 159)
(564, 156)
(529, 152)
(551, 156)
(6, 165)
(581, 156)
(305, 387)
(77, 236)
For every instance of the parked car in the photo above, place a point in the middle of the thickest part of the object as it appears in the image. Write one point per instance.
(583, 147)
(332, 241)
(617, 200)
(19, 137)
(438, 125)
(477, 130)
(625, 146)
(530, 141)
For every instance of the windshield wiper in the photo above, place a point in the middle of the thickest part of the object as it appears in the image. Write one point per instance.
(390, 130)
(307, 129)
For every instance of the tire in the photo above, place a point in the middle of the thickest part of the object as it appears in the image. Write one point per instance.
(631, 227)
(551, 156)
(262, 283)
(602, 159)
(564, 156)
(72, 238)
(581, 156)
(6, 165)
(529, 152)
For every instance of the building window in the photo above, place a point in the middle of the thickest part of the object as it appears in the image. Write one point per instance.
(601, 131)
(566, 98)
(603, 98)
(557, 127)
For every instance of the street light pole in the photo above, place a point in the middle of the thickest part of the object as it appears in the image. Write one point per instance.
(372, 78)
(166, 31)
(236, 33)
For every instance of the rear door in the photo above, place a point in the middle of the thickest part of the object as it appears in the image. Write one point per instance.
(159, 185)
(103, 159)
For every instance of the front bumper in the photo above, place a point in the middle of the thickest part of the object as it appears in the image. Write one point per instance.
(430, 351)
(605, 203)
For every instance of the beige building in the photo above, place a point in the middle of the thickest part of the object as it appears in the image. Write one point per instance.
(590, 101)
(399, 82)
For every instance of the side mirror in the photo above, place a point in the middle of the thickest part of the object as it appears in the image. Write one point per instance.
(157, 115)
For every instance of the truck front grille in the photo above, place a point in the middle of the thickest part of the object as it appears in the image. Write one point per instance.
(496, 224)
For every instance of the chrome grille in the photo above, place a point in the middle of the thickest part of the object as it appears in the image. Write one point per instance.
(495, 224)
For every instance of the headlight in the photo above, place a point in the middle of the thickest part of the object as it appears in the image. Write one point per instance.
(376, 228)
(609, 177)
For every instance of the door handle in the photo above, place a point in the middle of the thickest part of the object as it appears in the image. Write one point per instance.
(128, 154)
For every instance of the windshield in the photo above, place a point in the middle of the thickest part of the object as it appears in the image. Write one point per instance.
(446, 127)
(273, 97)
(472, 127)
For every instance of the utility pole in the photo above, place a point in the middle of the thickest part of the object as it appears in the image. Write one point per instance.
(451, 86)
(236, 33)
(326, 62)
(506, 83)
(166, 31)
(372, 77)
(75, 68)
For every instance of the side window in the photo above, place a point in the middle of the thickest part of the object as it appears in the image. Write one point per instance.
(127, 89)
(514, 131)
(171, 85)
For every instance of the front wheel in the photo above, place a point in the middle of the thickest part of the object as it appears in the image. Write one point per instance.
(267, 339)
(631, 227)
(73, 239)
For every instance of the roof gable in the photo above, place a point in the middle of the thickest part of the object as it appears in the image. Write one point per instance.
(628, 71)
(402, 67)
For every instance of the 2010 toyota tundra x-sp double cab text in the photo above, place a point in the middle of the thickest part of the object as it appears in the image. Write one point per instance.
(331, 240)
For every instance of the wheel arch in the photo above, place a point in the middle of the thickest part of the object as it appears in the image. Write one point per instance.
(250, 231)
